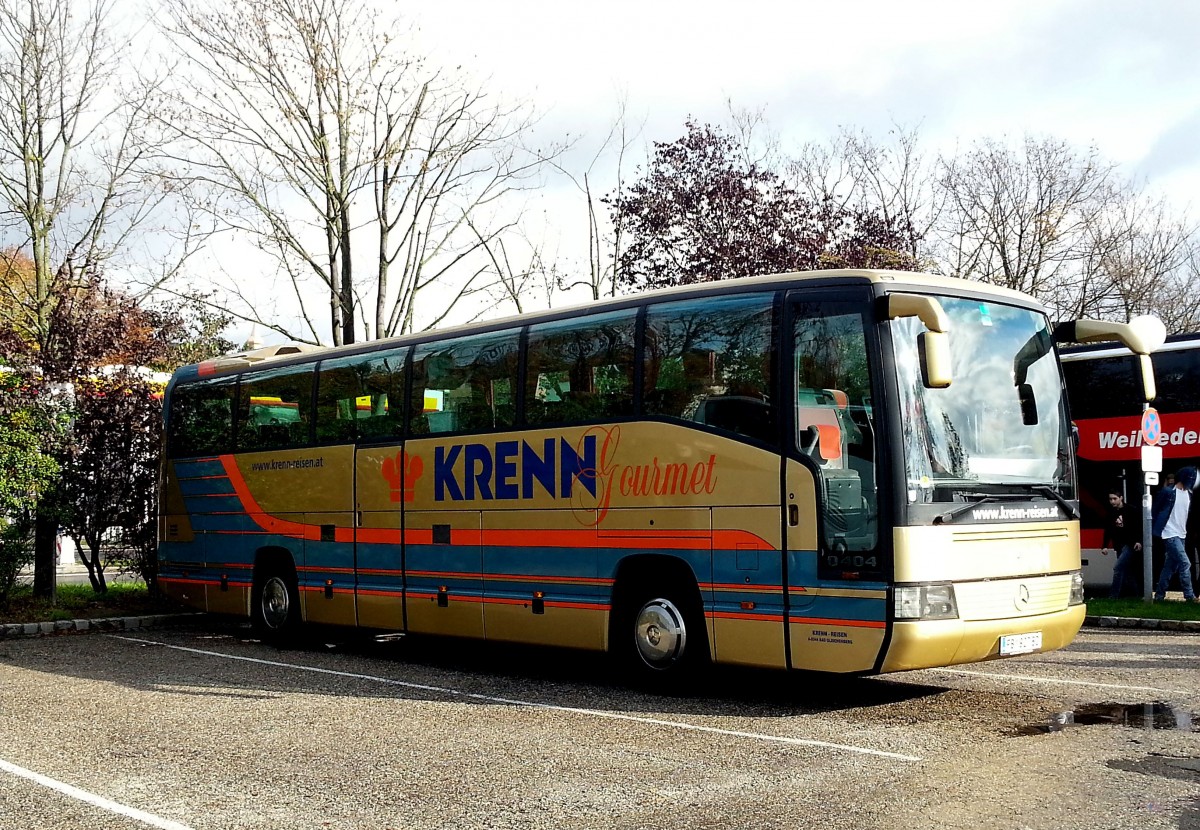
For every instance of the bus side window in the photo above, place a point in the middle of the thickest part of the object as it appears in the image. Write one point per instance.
(709, 362)
(201, 418)
(467, 384)
(275, 409)
(380, 407)
(361, 397)
(337, 401)
(581, 370)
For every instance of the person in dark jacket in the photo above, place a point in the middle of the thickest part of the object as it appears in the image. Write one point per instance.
(1172, 507)
(1123, 534)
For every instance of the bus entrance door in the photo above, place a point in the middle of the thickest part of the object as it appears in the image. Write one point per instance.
(837, 589)
(379, 551)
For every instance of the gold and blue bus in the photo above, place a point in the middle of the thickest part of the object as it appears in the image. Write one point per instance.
(847, 471)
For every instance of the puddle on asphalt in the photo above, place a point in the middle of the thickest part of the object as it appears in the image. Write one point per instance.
(1156, 715)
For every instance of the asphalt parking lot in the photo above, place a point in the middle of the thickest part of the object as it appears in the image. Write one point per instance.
(206, 728)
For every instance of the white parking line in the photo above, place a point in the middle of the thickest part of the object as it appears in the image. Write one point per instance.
(1030, 679)
(756, 736)
(91, 798)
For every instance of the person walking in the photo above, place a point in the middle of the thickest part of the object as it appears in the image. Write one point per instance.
(1122, 533)
(1171, 509)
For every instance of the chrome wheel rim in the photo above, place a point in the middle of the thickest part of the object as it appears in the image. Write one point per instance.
(276, 602)
(660, 634)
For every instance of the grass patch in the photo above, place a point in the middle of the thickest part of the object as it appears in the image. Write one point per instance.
(1132, 607)
(80, 602)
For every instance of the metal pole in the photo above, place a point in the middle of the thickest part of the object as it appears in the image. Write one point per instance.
(1147, 536)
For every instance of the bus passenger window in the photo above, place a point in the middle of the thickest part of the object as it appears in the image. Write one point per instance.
(355, 395)
(275, 409)
(201, 418)
(581, 370)
(467, 384)
(709, 362)
(337, 401)
(380, 406)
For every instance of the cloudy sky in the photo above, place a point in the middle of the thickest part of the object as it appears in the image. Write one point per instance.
(1121, 75)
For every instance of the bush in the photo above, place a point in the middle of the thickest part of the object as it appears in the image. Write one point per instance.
(16, 552)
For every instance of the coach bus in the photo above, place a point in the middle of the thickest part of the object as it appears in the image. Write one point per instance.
(1103, 386)
(848, 471)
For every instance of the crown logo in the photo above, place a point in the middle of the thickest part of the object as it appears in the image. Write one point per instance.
(402, 472)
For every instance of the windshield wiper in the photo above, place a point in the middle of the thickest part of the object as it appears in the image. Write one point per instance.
(1046, 490)
(976, 500)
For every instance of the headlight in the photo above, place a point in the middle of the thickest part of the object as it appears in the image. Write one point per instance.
(1076, 588)
(926, 602)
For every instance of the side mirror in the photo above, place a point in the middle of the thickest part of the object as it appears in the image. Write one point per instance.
(934, 348)
(934, 344)
(1029, 413)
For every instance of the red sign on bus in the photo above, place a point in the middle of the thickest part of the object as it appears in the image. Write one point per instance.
(1121, 439)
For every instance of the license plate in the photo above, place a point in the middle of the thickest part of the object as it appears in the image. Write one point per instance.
(1021, 643)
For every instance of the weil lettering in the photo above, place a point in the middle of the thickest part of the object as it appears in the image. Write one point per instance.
(1180, 437)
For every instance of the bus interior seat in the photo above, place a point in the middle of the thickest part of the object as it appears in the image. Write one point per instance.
(829, 441)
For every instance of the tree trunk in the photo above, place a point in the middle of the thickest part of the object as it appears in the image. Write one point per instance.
(95, 569)
(349, 333)
(45, 555)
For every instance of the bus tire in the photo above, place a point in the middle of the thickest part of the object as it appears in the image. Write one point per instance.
(660, 636)
(275, 604)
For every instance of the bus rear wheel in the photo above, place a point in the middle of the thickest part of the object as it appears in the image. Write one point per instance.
(276, 606)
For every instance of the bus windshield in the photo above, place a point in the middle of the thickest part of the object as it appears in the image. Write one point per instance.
(1001, 424)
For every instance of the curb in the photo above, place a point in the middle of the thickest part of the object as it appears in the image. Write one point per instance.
(1143, 624)
(9, 631)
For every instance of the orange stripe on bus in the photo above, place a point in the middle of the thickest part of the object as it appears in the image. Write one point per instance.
(739, 586)
(849, 623)
(733, 615)
(283, 527)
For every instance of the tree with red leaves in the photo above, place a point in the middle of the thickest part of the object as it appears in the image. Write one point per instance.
(95, 363)
(702, 211)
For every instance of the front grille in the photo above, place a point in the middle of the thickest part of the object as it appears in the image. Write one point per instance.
(998, 599)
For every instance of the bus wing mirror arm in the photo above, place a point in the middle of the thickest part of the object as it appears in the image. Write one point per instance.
(1142, 335)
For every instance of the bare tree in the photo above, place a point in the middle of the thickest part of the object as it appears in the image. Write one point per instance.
(893, 178)
(1142, 260)
(76, 185)
(604, 233)
(322, 136)
(1023, 218)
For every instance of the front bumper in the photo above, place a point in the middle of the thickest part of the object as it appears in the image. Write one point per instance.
(923, 644)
